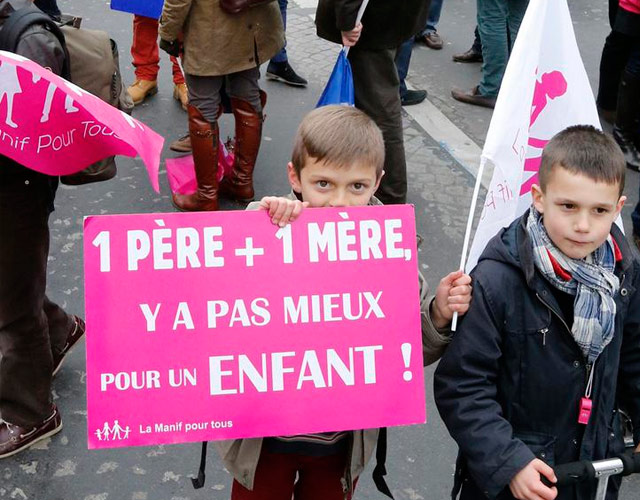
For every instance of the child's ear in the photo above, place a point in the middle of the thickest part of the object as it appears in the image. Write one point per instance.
(294, 181)
(378, 181)
(620, 204)
(537, 197)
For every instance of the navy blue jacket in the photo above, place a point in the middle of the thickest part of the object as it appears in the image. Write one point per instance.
(509, 386)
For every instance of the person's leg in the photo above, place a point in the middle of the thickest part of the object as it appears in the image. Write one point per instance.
(49, 7)
(26, 361)
(319, 478)
(429, 35)
(615, 55)
(625, 129)
(434, 16)
(402, 60)
(517, 9)
(474, 54)
(144, 51)
(204, 103)
(492, 26)
(274, 479)
(247, 102)
(376, 89)
(279, 68)
(144, 48)
(281, 56)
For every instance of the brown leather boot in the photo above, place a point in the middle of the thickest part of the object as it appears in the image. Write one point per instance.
(239, 185)
(204, 141)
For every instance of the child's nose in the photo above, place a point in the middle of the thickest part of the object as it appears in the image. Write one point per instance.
(582, 223)
(339, 199)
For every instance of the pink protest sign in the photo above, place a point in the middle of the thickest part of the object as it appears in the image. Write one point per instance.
(221, 325)
(50, 125)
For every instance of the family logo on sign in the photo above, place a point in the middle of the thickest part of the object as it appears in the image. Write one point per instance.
(60, 128)
(114, 433)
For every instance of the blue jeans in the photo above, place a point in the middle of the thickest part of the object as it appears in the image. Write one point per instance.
(281, 56)
(497, 19)
(433, 18)
(403, 57)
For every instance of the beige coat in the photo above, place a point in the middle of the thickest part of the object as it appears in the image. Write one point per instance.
(240, 456)
(217, 43)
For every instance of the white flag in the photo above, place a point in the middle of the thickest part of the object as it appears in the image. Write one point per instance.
(545, 89)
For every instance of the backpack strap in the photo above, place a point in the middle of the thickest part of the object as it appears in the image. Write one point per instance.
(381, 458)
(198, 482)
(22, 19)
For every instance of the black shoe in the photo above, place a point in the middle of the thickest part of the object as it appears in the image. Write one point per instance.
(470, 56)
(412, 97)
(283, 72)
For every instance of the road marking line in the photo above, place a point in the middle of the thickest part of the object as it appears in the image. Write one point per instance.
(453, 140)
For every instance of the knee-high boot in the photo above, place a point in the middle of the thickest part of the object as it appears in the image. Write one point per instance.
(627, 119)
(204, 142)
(239, 185)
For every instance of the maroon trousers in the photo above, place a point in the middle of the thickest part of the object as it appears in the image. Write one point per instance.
(318, 478)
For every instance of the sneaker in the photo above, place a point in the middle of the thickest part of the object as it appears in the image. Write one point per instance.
(412, 97)
(433, 40)
(182, 145)
(14, 439)
(283, 72)
(141, 89)
(75, 334)
(181, 94)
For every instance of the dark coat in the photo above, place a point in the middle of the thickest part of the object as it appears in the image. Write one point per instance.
(509, 386)
(385, 24)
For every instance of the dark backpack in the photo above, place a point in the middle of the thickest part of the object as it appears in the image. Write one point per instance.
(91, 63)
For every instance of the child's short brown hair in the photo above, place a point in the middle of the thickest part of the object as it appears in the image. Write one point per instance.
(339, 135)
(582, 149)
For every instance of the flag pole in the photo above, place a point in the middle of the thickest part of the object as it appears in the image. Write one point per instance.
(361, 10)
(467, 235)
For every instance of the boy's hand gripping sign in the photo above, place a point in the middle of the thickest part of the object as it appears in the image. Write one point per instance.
(221, 325)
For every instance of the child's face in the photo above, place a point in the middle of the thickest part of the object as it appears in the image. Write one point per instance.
(325, 185)
(578, 211)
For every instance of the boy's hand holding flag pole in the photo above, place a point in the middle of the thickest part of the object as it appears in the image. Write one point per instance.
(544, 90)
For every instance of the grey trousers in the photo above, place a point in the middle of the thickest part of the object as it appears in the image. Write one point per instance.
(204, 91)
(376, 88)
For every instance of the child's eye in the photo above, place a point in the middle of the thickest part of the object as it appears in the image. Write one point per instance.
(358, 186)
(601, 210)
(568, 206)
(322, 184)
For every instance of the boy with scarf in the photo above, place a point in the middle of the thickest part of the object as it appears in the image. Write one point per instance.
(550, 347)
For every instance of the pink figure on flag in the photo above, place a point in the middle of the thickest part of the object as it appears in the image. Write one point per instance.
(10, 87)
(552, 84)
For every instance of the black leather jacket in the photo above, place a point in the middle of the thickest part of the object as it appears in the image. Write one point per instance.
(385, 24)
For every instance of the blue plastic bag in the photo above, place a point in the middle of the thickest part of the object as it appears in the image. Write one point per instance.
(146, 8)
(339, 88)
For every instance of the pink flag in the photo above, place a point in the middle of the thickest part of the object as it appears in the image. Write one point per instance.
(52, 126)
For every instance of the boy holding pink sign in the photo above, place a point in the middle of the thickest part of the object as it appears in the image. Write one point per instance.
(337, 161)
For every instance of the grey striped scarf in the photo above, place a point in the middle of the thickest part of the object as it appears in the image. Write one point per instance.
(592, 282)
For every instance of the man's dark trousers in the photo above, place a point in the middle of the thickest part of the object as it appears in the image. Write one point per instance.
(31, 326)
(376, 84)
